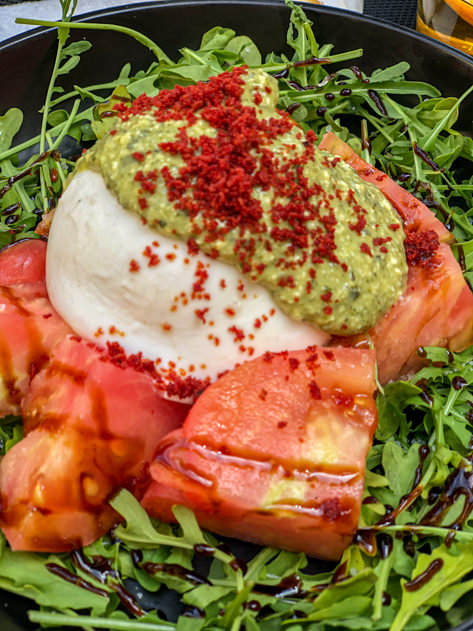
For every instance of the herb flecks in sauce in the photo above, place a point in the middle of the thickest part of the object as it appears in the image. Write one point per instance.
(218, 165)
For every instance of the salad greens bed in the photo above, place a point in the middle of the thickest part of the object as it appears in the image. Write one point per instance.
(411, 564)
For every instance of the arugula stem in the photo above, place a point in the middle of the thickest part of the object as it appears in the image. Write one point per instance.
(67, 125)
(93, 26)
(45, 618)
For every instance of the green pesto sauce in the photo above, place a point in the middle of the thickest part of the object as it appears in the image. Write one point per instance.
(360, 294)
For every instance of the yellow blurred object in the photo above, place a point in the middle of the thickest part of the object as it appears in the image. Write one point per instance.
(450, 21)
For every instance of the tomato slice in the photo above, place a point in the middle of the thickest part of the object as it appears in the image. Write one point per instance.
(436, 308)
(29, 326)
(274, 451)
(91, 428)
(415, 215)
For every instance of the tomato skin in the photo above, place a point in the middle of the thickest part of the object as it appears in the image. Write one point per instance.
(274, 451)
(29, 326)
(23, 262)
(91, 428)
(436, 308)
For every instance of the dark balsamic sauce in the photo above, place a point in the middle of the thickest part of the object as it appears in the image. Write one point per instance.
(425, 157)
(425, 576)
(289, 587)
(68, 576)
(374, 96)
(312, 61)
(175, 570)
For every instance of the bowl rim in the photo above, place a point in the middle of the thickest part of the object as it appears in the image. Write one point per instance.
(100, 14)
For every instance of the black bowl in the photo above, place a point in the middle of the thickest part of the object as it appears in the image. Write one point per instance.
(26, 62)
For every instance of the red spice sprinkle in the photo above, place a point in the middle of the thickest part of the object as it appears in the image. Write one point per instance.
(238, 333)
(229, 312)
(293, 363)
(171, 256)
(263, 394)
(341, 398)
(98, 332)
(421, 248)
(326, 297)
(328, 310)
(383, 249)
(272, 312)
(223, 283)
(138, 156)
(156, 244)
(112, 132)
(47, 315)
(329, 355)
(315, 391)
(394, 226)
(143, 204)
(134, 266)
(257, 323)
(268, 357)
(153, 258)
(200, 313)
(282, 424)
(381, 240)
(220, 172)
(365, 248)
(166, 327)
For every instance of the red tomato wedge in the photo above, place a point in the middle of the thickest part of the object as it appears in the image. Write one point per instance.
(29, 326)
(437, 307)
(415, 215)
(274, 451)
(91, 428)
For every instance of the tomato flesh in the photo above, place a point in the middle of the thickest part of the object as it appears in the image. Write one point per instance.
(29, 326)
(91, 428)
(274, 451)
(436, 308)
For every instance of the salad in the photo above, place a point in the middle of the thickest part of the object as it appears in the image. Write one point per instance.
(409, 563)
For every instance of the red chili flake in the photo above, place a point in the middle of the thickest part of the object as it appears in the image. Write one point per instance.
(383, 249)
(143, 204)
(138, 156)
(238, 333)
(242, 348)
(200, 313)
(326, 297)
(381, 240)
(251, 350)
(230, 312)
(257, 323)
(293, 363)
(112, 132)
(421, 248)
(329, 355)
(365, 248)
(328, 310)
(272, 312)
(315, 391)
(257, 98)
(262, 395)
(153, 259)
(223, 283)
(156, 244)
(312, 358)
(134, 266)
(282, 424)
(394, 226)
(217, 341)
(98, 332)
(171, 256)
(47, 315)
(166, 326)
(192, 247)
(268, 357)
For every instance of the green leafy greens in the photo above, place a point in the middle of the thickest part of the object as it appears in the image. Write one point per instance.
(415, 521)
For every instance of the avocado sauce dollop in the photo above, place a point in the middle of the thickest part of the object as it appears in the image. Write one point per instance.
(218, 165)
